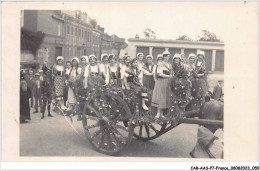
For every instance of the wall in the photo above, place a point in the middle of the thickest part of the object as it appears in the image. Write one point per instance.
(30, 20)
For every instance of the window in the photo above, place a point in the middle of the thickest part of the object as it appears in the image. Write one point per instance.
(68, 52)
(68, 29)
(79, 32)
(71, 30)
(76, 31)
(59, 29)
(71, 52)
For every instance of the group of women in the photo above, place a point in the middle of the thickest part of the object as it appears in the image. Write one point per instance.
(145, 75)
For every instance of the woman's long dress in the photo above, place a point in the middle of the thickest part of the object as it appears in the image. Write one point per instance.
(74, 82)
(162, 92)
(24, 104)
(148, 80)
(59, 81)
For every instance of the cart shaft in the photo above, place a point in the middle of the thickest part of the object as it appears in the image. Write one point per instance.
(201, 121)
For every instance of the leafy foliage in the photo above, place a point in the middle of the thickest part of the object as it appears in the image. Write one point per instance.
(149, 33)
(184, 37)
(208, 36)
(31, 40)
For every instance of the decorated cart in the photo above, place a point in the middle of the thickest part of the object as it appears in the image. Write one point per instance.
(111, 116)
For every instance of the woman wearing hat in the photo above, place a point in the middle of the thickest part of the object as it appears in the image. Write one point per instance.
(133, 80)
(140, 62)
(84, 64)
(105, 68)
(68, 68)
(114, 69)
(180, 85)
(74, 82)
(161, 92)
(148, 73)
(200, 79)
(58, 72)
(92, 73)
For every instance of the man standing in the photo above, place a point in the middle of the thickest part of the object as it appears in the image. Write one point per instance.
(30, 81)
(217, 92)
(37, 92)
(46, 93)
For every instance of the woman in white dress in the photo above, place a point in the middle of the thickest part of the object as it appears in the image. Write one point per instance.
(73, 82)
(105, 68)
(114, 69)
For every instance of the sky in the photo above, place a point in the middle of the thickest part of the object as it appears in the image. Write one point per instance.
(169, 20)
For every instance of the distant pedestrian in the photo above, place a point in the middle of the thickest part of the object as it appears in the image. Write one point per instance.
(37, 92)
(30, 81)
(217, 92)
(25, 94)
(114, 69)
(46, 90)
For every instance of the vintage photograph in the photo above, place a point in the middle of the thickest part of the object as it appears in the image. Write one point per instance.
(130, 88)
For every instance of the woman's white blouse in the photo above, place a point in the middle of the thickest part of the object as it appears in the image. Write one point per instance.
(92, 69)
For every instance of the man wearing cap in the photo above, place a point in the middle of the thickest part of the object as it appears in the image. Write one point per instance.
(217, 92)
(37, 92)
(44, 67)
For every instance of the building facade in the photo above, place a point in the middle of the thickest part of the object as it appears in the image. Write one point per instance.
(67, 33)
(214, 51)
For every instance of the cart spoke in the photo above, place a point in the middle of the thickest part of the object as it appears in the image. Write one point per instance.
(101, 141)
(118, 133)
(153, 128)
(91, 126)
(92, 118)
(147, 130)
(121, 127)
(140, 130)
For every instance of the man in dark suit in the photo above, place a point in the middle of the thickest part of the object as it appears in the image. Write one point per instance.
(217, 92)
(37, 92)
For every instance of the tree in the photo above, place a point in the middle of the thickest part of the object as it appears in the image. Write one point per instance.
(31, 40)
(93, 23)
(184, 37)
(149, 33)
(208, 36)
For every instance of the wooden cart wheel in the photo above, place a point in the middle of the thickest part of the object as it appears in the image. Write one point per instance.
(149, 131)
(106, 122)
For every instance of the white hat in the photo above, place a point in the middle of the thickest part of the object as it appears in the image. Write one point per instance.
(165, 53)
(59, 57)
(85, 57)
(159, 56)
(75, 58)
(30, 71)
(191, 55)
(111, 55)
(140, 53)
(103, 55)
(37, 74)
(176, 55)
(90, 56)
(200, 52)
(40, 70)
(149, 56)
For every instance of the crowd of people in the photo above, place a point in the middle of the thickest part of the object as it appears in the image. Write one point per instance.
(146, 75)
